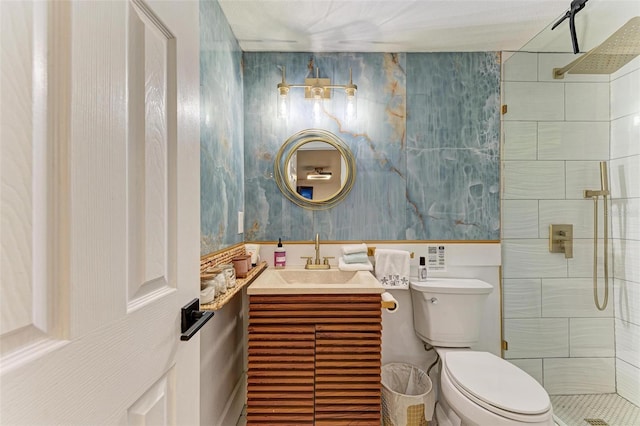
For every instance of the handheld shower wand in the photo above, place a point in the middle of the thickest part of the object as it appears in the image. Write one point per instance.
(604, 178)
(594, 194)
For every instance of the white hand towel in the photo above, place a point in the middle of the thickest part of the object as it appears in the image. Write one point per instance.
(392, 268)
(355, 258)
(343, 266)
(354, 248)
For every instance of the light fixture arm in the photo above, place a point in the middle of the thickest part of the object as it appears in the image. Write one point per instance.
(319, 83)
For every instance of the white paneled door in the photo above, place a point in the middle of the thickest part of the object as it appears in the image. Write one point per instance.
(99, 209)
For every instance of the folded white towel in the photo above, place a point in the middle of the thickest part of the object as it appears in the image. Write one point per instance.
(392, 268)
(343, 266)
(354, 248)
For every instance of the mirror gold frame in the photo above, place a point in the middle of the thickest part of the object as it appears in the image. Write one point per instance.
(289, 149)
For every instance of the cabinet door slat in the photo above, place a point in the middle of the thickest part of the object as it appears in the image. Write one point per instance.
(317, 352)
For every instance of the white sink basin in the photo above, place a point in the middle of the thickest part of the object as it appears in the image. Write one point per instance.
(305, 281)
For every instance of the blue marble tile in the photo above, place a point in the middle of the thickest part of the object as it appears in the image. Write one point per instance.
(426, 142)
(221, 131)
(376, 137)
(453, 139)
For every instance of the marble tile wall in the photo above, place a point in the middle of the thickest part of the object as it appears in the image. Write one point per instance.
(221, 131)
(426, 143)
(221, 393)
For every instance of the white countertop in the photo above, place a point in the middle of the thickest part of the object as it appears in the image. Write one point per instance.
(304, 281)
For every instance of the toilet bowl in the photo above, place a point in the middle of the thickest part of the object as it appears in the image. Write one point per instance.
(483, 389)
(480, 388)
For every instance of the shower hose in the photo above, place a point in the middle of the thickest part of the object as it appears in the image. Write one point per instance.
(596, 298)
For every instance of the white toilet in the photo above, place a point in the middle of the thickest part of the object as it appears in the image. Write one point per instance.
(480, 388)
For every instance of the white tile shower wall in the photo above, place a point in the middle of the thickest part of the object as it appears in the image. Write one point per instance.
(550, 322)
(581, 175)
(521, 140)
(531, 259)
(625, 218)
(579, 375)
(520, 219)
(591, 337)
(625, 131)
(576, 212)
(533, 367)
(627, 301)
(625, 175)
(537, 337)
(628, 342)
(521, 298)
(626, 265)
(586, 101)
(578, 140)
(523, 66)
(582, 263)
(627, 378)
(625, 192)
(530, 180)
(570, 297)
(534, 101)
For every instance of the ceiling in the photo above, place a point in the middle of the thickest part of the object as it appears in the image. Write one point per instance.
(402, 25)
(388, 26)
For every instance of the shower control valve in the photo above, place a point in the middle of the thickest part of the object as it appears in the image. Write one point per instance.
(561, 239)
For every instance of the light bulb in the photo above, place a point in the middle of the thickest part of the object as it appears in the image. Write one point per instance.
(350, 112)
(351, 105)
(282, 106)
(317, 108)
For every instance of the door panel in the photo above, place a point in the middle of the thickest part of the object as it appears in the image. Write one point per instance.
(157, 406)
(151, 171)
(100, 212)
(30, 316)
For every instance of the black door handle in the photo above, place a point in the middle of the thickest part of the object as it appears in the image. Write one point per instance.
(192, 319)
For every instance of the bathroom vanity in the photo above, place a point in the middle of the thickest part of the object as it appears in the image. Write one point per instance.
(314, 348)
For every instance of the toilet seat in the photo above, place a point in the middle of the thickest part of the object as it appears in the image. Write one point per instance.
(497, 385)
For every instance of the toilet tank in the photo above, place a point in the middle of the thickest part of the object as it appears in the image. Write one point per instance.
(447, 311)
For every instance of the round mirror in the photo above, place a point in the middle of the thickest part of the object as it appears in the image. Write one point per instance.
(315, 169)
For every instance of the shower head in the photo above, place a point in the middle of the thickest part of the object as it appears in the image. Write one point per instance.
(615, 52)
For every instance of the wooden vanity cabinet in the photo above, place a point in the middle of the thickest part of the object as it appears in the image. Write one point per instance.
(314, 359)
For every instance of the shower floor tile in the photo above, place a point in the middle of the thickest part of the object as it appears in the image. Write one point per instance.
(572, 410)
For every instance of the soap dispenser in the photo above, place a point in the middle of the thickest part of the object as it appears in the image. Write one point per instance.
(422, 270)
(279, 255)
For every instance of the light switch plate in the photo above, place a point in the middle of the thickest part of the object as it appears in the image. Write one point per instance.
(240, 222)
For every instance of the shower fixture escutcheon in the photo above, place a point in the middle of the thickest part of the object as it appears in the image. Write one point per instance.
(561, 239)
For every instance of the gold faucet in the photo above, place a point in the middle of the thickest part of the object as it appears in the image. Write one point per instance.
(317, 264)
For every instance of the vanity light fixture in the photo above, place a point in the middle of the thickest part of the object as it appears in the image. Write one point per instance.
(317, 89)
(318, 174)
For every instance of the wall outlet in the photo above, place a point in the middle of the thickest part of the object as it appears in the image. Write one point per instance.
(240, 222)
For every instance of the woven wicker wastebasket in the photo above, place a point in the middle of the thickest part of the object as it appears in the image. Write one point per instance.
(407, 396)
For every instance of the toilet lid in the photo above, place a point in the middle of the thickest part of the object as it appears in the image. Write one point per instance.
(495, 382)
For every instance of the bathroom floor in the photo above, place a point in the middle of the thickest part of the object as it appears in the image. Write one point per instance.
(601, 409)
(572, 410)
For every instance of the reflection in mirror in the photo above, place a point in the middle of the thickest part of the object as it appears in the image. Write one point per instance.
(315, 169)
(320, 171)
